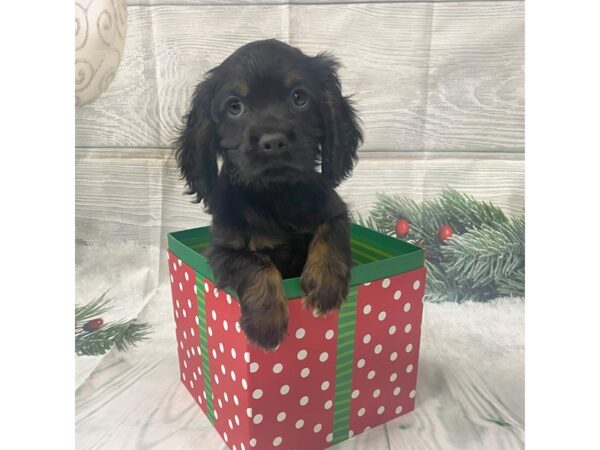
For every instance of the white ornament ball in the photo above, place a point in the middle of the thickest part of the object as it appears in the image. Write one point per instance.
(100, 29)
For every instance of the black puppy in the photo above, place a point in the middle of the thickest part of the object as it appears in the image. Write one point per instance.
(271, 115)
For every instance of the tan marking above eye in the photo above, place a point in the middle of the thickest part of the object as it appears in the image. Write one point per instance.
(242, 87)
(290, 79)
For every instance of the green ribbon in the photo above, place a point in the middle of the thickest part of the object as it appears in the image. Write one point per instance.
(210, 412)
(344, 363)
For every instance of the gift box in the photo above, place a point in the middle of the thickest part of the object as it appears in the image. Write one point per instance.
(331, 378)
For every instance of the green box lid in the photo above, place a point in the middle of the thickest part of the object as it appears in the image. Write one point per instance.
(374, 256)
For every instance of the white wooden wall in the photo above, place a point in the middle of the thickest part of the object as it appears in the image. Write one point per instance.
(439, 87)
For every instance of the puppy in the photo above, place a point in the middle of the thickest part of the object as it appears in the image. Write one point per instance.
(272, 116)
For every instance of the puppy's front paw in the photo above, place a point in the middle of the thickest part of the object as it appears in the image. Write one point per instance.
(325, 285)
(264, 309)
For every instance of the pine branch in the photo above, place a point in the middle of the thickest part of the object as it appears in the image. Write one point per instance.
(95, 308)
(121, 334)
(485, 255)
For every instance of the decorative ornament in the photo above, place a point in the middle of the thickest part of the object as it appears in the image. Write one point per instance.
(445, 232)
(402, 227)
(93, 325)
(100, 29)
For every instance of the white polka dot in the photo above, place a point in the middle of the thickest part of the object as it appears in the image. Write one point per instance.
(367, 309)
(277, 441)
(184, 313)
(258, 393)
(407, 307)
(328, 404)
(284, 389)
(223, 369)
(200, 399)
(397, 391)
(199, 371)
(281, 416)
(380, 410)
(361, 412)
(378, 349)
(228, 297)
(382, 316)
(210, 332)
(355, 393)
(397, 295)
(175, 267)
(187, 277)
(192, 332)
(302, 354)
(317, 428)
(367, 283)
(181, 344)
(305, 372)
(300, 332)
(371, 375)
(176, 314)
(409, 348)
(193, 350)
(304, 400)
(329, 334)
(225, 325)
(393, 377)
(216, 378)
(254, 367)
(376, 393)
(215, 292)
(407, 328)
(392, 330)
(236, 400)
(179, 262)
(225, 434)
(214, 353)
(233, 353)
(252, 442)
(329, 437)
(216, 414)
(204, 394)
(237, 327)
(185, 363)
(220, 403)
(247, 357)
(189, 303)
(416, 285)
(188, 353)
(409, 368)
(299, 424)
(221, 347)
(237, 420)
(183, 376)
(277, 368)
(249, 412)
(325, 385)
(385, 283)
(192, 384)
(197, 321)
(206, 287)
(367, 338)
(242, 446)
(257, 419)
(184, 335)
(412, 394)
(195, 289)
(360, 363)
(393, 356)
(398, 410)
(323, 357)
(244, 384)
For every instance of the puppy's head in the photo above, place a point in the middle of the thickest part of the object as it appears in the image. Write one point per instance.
(271, 113)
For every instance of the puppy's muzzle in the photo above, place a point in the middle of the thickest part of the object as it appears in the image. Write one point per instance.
(272, 143)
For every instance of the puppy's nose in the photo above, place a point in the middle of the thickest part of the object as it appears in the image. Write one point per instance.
(273, 142)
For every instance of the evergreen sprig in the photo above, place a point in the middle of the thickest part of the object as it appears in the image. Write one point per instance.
(121, 334)
(485, 257)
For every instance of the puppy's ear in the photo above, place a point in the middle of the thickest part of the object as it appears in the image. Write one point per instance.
(342, 133)
(195, 148)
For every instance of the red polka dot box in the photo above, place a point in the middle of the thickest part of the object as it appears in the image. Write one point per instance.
(331, 378)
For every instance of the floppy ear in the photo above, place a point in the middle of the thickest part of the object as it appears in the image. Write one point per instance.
(342, 133)
(195, 148)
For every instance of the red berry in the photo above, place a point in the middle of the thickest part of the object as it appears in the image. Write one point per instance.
(445, 232)
(402, 227)
(93, 325)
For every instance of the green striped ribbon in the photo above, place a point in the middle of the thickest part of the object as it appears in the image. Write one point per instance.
(210, 413)
(344, 362)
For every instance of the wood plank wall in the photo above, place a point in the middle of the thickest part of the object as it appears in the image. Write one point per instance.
(439, 87)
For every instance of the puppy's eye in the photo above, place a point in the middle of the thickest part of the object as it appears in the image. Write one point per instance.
(235, 107)
(300, 99)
